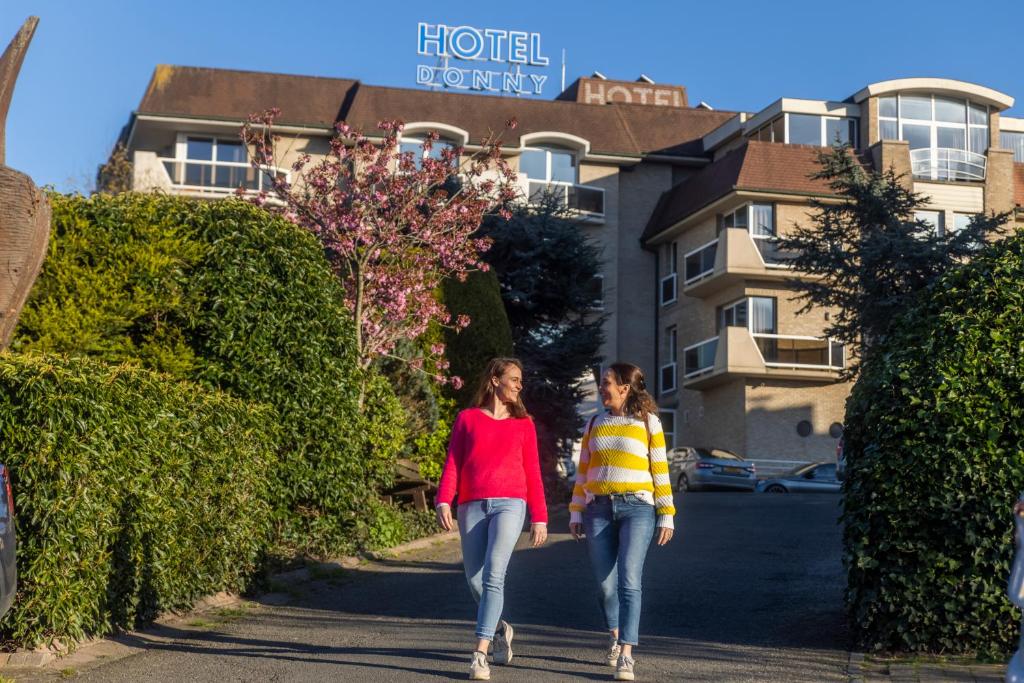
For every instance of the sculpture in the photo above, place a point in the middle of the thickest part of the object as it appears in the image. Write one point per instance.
(24, 210)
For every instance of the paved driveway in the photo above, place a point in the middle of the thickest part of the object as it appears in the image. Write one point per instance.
(750, 590)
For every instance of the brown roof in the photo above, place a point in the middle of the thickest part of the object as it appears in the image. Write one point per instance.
(765, 166)
(1018, 184)
(226, 94)
(617, 129)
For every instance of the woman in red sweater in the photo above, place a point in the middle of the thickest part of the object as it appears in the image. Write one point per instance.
(494, 468)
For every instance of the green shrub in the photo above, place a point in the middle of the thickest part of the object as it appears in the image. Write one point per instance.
(488, 335)
(226, 295)
(134, 493)
(935, 444)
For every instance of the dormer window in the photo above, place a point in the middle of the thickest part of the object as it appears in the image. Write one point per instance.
(809, 129)
(414, 144)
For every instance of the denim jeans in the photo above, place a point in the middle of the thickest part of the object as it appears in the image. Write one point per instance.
(489, 529)
(619, 531)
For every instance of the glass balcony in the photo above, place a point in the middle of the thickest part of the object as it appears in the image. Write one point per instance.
(800, 352)
(218, 177)
(771, 253)
(700, 263)
(700, 358)
(944, 163)
(585, 199)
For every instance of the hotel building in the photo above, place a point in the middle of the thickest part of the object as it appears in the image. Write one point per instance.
(683, 200)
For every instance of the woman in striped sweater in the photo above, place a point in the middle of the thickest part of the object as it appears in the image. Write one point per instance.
(622, 494)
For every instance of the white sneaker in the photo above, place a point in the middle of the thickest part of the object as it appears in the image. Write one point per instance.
(503, 643)
(611, 657)
(478, 669)
(624, 669)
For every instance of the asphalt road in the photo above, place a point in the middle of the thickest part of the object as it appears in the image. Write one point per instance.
(750, 590)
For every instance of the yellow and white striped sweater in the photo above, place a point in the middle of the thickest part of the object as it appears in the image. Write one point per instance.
(614, 459)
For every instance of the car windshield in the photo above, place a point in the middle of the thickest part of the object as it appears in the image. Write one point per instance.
(716, 454)
(802, 470)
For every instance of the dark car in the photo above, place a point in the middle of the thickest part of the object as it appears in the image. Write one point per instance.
(818, 477)
(8, 569)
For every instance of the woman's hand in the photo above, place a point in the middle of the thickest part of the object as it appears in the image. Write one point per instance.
(444, 516)
(576, 529)
(538, 534)
(664, 535)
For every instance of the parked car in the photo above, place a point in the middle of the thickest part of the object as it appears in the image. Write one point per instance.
(818, 477)
(8, 569)
(840, 460)
(694, 468)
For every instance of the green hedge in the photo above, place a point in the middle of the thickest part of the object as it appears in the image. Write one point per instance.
(226, 295)
(134, 493)
(935, 444)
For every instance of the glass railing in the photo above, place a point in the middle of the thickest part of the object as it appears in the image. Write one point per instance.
(944, 163)
(771, 253)
(700, 262)
(583, 198)
(219, 176)
(801, 352)
(700, 358)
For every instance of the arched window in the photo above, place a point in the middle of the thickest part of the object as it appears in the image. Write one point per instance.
(549, 164)
(414, 144)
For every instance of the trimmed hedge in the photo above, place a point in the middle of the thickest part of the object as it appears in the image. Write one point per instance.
(135, 493)
(224, 294)
(935, 447)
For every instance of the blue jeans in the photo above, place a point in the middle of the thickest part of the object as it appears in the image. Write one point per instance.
(619, 531)
(489, 529)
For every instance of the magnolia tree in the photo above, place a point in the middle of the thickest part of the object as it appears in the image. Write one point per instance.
(393, 224)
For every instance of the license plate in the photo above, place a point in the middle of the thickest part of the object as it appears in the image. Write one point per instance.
(732, 470)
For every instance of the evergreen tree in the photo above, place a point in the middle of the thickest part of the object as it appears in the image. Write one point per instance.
(868, 254)
(546, 267)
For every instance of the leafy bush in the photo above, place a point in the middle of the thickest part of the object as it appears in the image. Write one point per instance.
(935, 444)
(224, 294)
(134, 493)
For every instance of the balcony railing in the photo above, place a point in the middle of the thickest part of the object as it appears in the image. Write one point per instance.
(700, 358)
(790, 351)
(218, 177)
(944, 163)
(700, 263)
(585, 199)
(771, 253)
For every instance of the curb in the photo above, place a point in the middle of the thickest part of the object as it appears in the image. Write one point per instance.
(41, 657)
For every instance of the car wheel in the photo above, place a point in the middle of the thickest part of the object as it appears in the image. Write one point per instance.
(683, 485)
(776, 488)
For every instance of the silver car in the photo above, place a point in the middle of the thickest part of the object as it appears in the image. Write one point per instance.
(695, 468)
(818, 477)
(8, 569)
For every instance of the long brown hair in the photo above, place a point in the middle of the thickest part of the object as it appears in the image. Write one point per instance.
(485, 390)
(639, 403)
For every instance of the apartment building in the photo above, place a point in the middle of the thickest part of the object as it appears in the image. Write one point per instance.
(683, 201)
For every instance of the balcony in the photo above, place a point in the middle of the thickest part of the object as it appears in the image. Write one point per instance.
(732, 258)
(736, 353)
(585, 200)
(217, 178)
(943, 163)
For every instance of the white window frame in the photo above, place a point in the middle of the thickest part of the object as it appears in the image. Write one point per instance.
(671, 355)
(670, 436)
(823, 140)
(934, 125)
(687, 279)
(419, 139)
(548, 150)
(670, 261)
(746, 300)
(938, 224)
(181, 157)
(749, 208)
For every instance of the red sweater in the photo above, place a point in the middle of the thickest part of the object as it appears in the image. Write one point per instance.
(490, 458)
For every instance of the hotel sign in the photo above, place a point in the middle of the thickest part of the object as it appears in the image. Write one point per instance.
(488, 60)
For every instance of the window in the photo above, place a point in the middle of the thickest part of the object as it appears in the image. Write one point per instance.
(759, 220)
(960, 221)
(668, 426)
(821, 131)
(1013, 141)
(670, 264)
(700, 262)
(414, 144)
(756, 313)
(804, 129)
(947, 134)
(548, 164)
(932, 218)
(668, 370)
(217, 163)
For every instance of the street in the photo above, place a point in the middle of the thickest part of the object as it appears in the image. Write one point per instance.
(750, 590)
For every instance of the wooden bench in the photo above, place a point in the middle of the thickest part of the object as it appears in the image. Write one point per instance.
(408, 482)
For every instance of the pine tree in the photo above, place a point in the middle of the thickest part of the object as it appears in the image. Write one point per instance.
(868, 255)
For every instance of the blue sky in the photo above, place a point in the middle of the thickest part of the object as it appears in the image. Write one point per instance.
(91, 59)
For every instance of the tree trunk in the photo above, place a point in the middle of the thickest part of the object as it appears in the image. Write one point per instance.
(24, 211)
